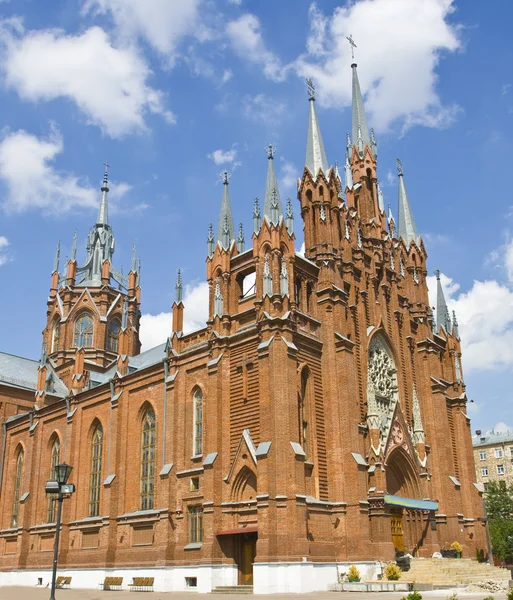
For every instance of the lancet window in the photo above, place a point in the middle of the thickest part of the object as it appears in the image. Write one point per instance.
(198, 423)
(148, 460)
(56, 335)
(95, 481)
(113, 331)
(17, 487)
(83, 333)
(52, 498)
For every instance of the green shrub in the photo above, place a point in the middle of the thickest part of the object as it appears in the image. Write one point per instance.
(353, 574)
(453, 596)
(509, 595)
(412, 596)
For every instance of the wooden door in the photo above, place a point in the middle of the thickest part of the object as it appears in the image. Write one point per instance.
(396, 523)
(248, 558)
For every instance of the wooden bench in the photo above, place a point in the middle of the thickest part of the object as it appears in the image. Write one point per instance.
(142, 584)
(63, 582)
(112, 583)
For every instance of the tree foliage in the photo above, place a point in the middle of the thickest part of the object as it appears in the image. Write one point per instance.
(499, 508)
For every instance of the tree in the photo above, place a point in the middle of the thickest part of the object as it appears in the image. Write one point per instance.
(499, 508)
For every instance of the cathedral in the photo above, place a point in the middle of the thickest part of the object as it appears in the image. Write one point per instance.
(316, 421)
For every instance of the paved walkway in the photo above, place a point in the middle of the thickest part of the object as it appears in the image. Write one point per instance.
(20, 593)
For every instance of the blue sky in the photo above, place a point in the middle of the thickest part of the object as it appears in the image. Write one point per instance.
(171, 92)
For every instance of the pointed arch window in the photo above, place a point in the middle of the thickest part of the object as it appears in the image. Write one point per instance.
(303, 411)
(148, 460)
(95, 481)
(83, 333)
(17, 487)
(56, 335)
(113, 331)
(54, 461)
(197, 448)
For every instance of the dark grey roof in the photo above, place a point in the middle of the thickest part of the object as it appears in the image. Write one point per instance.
(148, 358)
(18, 371)
(491, 438)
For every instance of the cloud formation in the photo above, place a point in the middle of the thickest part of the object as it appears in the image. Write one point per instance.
(109, 85)
(4, 243)
(225, 157)
(155, 329)
(32, 180)
(400, 43)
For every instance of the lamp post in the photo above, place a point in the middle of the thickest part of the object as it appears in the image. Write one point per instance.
(61, 486)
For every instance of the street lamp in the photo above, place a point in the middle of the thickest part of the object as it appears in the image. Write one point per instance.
(60, 486)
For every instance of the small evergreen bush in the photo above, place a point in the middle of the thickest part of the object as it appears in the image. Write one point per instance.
(353, 574)
(392, 572)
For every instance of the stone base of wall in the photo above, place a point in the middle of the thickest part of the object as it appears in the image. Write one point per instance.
(269, 578)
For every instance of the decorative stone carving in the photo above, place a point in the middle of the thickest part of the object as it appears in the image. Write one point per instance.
(418, 429)
(382, 371)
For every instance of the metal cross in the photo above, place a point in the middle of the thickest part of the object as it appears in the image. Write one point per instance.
(106, 164)
(225, 176)
(353, 45)
(311, 89)
(270, 151)
(399, 166)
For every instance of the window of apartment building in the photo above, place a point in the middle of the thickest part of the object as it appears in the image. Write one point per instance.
(500, 469)
(482, 455)
(484, 471)
(195, 524)
(498, 452)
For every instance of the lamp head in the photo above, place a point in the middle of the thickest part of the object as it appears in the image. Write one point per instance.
(62, 473)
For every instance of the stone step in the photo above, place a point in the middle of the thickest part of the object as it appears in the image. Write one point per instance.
(233, 589)
(447, 571)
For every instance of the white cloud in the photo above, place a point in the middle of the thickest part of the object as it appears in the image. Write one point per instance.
(108, 84)
(263, 109)
(161, 23)
(33, 182)
(245, 36)
(399, 47)
(289, 175)
(222, 157)
(485, 317)
(155, 329)
(508, 260)
(4, 242)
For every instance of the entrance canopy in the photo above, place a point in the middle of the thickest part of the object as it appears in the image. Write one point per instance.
(249, 529)
(411, 503)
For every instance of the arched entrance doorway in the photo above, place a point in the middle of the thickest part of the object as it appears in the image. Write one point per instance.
(407, 524)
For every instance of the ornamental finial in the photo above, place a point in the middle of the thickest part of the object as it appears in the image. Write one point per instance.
(311, 89)
(399, 166)
(270, 151)
(353, 45)
(105, 177)
(225, 176)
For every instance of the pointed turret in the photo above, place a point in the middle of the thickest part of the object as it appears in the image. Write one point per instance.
(103, 212)
(178, 308)
(256, 216)
(272, 203)
(315, 153)
(391, 222)
(406, 225)
(240, 239)
(178, 287)
(74, 247)
(57, 258)
(210, 240)
(360, 130)
(455, 327)
(381, 201)
(443, 318)
(226, 228)
(289, 218)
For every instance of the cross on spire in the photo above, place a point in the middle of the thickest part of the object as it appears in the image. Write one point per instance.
(353, 45)
(270, 151)
(311, 89)
(225, 176)
(399, 166)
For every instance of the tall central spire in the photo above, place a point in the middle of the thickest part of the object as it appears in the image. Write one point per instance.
(406, 223)
(272, 203)
(103, 212)
(360, 130)
(226, 227)
(315, 153)
(443, 318)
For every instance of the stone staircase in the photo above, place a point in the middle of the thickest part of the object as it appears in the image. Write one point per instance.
(448, 572)
(233, 589)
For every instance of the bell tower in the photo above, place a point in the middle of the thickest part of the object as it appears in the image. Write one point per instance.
(93, 310)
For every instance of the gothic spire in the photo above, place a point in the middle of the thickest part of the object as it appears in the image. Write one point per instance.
(315, 153)
(124, 315)
(241, 243)
(406, 225)
(455, 327)
(272, 203)
(256, 216)
(134, 257)
(103, 213)
(210, 240)
(57, 258)
(178, 287)
(360, 128)
(443, 318)
(226, 228)
(74, 247)
(381, 202)
(289, 217)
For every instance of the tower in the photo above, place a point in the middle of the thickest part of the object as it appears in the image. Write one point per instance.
(93, 310)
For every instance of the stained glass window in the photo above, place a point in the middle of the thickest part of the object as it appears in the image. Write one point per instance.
(17, 488)
(113, 335)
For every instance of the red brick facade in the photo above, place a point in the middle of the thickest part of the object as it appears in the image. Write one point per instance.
(317, 400)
